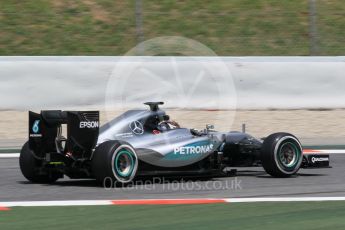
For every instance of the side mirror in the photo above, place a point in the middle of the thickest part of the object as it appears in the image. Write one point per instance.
(209, 127)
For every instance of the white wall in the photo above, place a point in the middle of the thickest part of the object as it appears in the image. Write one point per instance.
(199, 82)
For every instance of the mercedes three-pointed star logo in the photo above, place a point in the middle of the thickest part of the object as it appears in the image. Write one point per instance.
(137, 127)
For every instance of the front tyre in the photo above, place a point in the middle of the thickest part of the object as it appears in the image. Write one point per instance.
(281, 155)
(115, 161)
(31, 168)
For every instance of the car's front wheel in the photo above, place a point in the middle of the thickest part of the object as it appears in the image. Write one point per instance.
(281, 155)
(114, 161)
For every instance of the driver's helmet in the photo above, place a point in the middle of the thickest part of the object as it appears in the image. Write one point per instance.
(168, 125)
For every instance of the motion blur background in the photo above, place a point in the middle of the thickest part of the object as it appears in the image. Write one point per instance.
(230, 28)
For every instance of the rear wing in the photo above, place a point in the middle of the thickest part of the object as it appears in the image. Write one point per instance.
(45, 130)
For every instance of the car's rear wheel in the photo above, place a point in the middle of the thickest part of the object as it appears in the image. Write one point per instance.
(281, 155)
(114, 161)
(31, 167)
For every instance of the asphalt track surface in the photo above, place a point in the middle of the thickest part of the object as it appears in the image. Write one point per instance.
(249, 182)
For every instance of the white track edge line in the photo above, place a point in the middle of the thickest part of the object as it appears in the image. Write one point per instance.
(110, 202)
(9, 155)
(282, 199)
(55, 203)
(324, 151)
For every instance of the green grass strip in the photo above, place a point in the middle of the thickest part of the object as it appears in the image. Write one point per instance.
(279, 215)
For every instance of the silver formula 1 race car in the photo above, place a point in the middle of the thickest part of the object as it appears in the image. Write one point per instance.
(147, 142)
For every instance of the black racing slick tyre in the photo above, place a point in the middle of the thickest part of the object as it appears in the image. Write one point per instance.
(114, 162)
(29, 166)
(281, 155)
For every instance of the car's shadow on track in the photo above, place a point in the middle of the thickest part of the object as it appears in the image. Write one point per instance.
(311, 174)
(157, 180)
(260, 173)
(294, 176)
(169, 179)
(138, 181)
(70, 183)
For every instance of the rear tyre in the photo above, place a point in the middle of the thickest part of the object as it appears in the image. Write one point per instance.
(114, 161)
(29, 166)
(281, 155)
